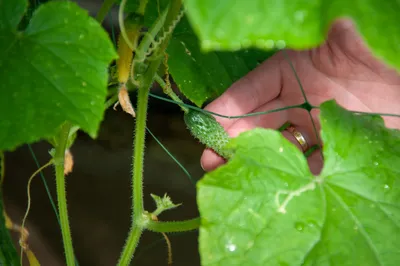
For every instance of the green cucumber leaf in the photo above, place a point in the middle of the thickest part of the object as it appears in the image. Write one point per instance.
(202, 76)
(299, 24)
(264, 207)
(53, 71)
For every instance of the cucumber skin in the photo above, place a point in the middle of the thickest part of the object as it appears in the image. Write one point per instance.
(208, 131)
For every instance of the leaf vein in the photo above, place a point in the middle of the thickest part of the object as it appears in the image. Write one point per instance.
(359, 224)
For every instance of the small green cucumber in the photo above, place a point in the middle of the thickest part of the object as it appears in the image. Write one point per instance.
(208, 131)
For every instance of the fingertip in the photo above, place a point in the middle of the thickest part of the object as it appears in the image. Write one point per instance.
(210, 160)
(344, 23)
(315, 162)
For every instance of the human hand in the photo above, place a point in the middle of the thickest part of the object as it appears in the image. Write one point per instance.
(342, 69)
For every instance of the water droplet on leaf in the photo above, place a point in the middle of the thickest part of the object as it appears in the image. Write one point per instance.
(312, 223)
(231, 247)
(207, 44)
(269, 44)
(280, 44)
(250, 244)
(299, 15)
(249, 20)
(299, 226)
(246, 43)
(235, 46)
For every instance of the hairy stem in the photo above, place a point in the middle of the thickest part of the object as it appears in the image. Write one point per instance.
(138, 223)
(111, 101)
(131, 244)
(61, 193)
(137, 177)
(105, 7)
(169, 227)
(168, 90)
(138, 156)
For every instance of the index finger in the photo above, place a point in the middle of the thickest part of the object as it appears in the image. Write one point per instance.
(258, 87)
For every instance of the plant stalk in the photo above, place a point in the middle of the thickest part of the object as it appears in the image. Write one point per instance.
(105, 7)
(138, 157)
(131, 244)
(138, 224)
(111, 101)
(61, 193)
(168, 90)
(137, 177)
(170, 227)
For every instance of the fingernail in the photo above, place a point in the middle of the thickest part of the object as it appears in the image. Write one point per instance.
(202, 167)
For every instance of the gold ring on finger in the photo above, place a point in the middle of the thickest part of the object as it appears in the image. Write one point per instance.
(298, 136)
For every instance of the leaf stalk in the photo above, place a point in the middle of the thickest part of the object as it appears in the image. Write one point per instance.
(59, 155)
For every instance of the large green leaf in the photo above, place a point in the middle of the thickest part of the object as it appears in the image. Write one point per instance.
(232, 25)
(202, 76)
(55, 70)
(264, 207)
